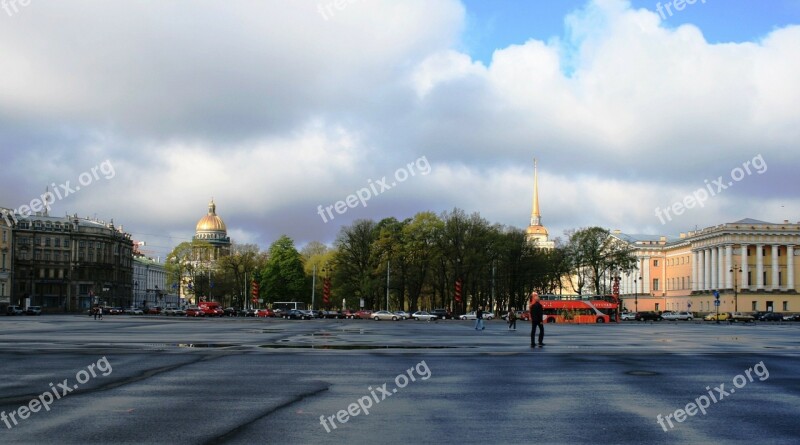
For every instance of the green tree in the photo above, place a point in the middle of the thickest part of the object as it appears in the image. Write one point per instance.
(282, 278)
(354, 263)
(592, 252)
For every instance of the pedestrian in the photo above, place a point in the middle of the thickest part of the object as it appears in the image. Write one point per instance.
(100, 312)
(479, 319)
(94, 312)
(537, 320)
(512, 319)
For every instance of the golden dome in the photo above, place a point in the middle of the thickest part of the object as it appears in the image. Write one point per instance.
(536, 230)
(211, 222)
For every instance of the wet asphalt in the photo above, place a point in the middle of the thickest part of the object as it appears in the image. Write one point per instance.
(160, 380)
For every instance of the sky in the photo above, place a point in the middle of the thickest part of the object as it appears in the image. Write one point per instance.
(643, 118)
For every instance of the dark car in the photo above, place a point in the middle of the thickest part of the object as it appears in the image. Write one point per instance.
(333, 314)
(648, 315)
(442, 314)
(296, 314)
(231, 312)
(247, 313)
(770, 316)
(33, 310)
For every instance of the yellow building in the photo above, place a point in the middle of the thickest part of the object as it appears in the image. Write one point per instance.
(750, 263)
(536, 233)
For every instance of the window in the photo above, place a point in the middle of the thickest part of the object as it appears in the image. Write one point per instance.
(785, 306)
(57, 242)
(655, 263)
(770, 306)
(755, 306)
(655, 283)
(780, 278)
(657, 307)
(47, 242)
(66, 243)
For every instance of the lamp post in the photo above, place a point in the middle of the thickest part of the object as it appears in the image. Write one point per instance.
(735, 288)
(636, 294)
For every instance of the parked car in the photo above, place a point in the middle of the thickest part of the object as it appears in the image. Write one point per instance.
(194, 311)
(296, 314)
(384, 315)
(332, 314)
(211, 308)
(472, 316)
(713, 316)
(231, 312)
(423, 315)
(687, 316)
(771, 316)
(349, 314)
(252, 312)
(628, 316)
(443, 314)
(169, 311)
(264, 313)
(403, 315)
(315, 313)
(33, 310)
(134, 311)
(364, 314)
(153, 310)
(741, 316)
(14, 310)
(795, 317)
(647, 315)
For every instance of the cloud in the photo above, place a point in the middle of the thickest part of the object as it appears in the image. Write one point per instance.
(273, 109)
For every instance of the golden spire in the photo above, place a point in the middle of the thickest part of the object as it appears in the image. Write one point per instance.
(535, 215)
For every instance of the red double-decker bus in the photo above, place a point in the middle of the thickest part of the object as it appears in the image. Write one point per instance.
(577, 309)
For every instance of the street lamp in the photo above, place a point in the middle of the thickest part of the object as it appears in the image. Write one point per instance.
(636, 294)
(735, 288)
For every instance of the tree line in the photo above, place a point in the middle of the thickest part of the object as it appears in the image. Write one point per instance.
(415, 263)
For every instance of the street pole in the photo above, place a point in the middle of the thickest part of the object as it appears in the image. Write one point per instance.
(313, 286)
(387, 284)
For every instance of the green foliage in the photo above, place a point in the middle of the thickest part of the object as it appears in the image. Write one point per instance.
(283, 278)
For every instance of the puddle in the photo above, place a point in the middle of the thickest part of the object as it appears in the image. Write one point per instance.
(642, 373)
(205, 345)
(357, 347)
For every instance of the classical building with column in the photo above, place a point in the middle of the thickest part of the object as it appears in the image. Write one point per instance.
(6, 252)
(752, 264)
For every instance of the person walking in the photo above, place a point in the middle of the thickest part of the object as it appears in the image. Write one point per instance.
(479, 319)
(100, 311)
(537, 320)
(512, 319)
(94, 312)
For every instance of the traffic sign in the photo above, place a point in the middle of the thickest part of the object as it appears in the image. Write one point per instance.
(716, 294)
(716, 302)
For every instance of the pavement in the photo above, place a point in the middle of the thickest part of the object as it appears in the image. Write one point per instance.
(162, 380)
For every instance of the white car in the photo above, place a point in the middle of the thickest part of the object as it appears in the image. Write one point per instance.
(134, 311)
(384, 315)
(627, 316)
(403, 315)
(422, 315)
(688, 316)
(473, 316)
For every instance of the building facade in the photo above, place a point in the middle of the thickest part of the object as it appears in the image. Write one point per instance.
(150, 284)
(69, 263)
(751, 264)
(6, 263)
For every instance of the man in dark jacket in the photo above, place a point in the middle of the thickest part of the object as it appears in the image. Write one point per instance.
(537, 319)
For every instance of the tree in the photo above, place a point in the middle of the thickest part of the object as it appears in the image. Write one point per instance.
(239, 269)
(282, 278)
(593, 251)
(354, 262)
(186, 268)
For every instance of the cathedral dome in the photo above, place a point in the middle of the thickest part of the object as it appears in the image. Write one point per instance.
(211, 222)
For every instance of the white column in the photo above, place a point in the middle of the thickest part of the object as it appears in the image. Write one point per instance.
(759, 267)
(775, 267)
(729, 266)
(789, 267)
(745, 268)
(695, 270)
(714, 269)
(646, 276)
(720, 268)
(707, 267)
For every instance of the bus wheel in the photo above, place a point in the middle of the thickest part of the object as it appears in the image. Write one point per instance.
(600, 320)
(551, 320)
